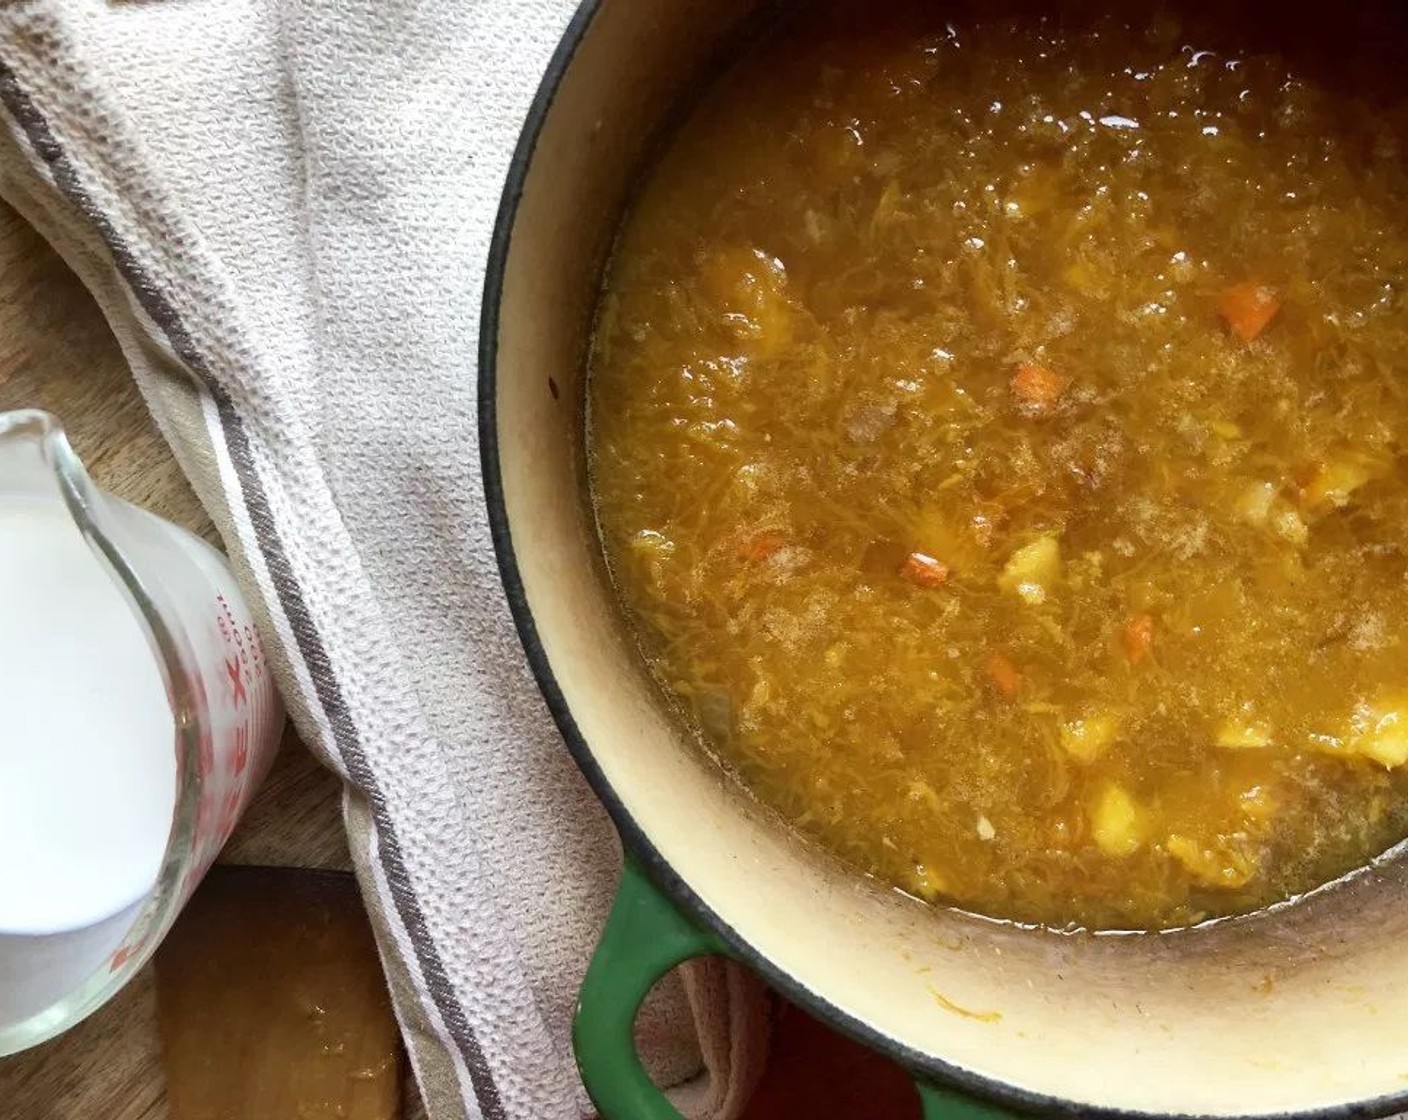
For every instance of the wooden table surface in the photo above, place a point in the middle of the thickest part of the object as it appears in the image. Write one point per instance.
(57, 353)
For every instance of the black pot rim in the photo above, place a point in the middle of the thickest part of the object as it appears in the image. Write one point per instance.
(633, 837)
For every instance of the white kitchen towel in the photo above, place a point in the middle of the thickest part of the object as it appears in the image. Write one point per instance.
(283, 207)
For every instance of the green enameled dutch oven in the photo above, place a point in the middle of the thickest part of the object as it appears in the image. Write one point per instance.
(1299, 1011)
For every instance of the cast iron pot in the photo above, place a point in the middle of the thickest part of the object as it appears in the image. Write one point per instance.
(1299, 1011)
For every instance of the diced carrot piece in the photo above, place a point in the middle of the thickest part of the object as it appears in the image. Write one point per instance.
(1138, 637)
(924, 571)
(1248, 309)
(757, 549)
(1037, 387)
(1003, 675)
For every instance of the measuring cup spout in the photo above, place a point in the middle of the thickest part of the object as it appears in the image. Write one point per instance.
(37, 463)
(133, 682)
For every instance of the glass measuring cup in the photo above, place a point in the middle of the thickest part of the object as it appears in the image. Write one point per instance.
(207, 733)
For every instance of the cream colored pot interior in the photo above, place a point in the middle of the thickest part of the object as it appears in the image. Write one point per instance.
(1302, 1010)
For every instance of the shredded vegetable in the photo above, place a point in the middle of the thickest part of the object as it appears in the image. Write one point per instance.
(1002, 423)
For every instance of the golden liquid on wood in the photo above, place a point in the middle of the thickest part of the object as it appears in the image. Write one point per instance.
(962, 508)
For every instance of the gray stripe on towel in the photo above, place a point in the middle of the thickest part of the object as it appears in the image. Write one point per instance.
(162, 312)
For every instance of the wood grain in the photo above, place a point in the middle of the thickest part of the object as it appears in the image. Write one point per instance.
(107, 1066)
(292, 952)
(57, 353)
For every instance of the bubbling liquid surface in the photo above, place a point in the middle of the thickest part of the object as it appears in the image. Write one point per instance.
(995, 435)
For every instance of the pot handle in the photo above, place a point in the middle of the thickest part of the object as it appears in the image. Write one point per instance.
(645, 937)
(946, 1104)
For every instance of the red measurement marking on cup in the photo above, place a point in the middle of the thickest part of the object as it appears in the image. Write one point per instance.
(241, 749)
(222, 800)
(206, 752)
(125, 953)
(237, 663)
(236, 675)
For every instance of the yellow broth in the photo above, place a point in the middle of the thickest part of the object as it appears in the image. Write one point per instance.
(994, 435)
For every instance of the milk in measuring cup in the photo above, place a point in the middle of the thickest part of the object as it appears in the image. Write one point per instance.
(87, 759)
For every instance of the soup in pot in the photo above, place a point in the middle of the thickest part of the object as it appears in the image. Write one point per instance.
(995, 432)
